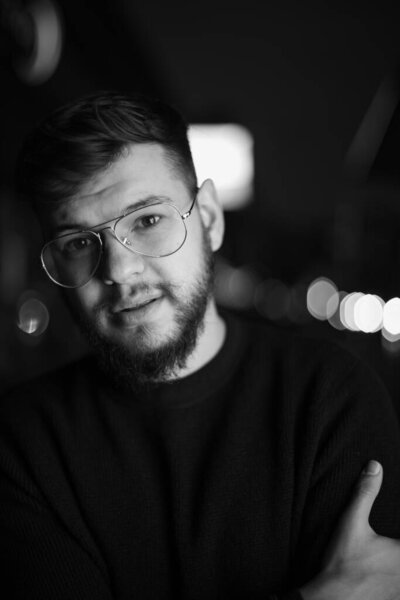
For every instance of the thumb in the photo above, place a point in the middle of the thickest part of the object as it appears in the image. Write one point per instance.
(353, 527)
(355, 519)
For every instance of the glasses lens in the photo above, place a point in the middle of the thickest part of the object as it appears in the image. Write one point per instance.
(156, 230)
(72, 259)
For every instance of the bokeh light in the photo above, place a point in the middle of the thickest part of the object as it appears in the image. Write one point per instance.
(391, 317)
(33, 317)
(321, 292)
(39, 66)
(347, 310)
(224, 153)
(355, 311)
(368, 313)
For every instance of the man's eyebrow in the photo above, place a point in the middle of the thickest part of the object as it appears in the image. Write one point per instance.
(148, 200)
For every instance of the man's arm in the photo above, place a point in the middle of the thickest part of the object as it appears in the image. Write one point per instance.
(39, 557)
(351, 421)
(359, 564)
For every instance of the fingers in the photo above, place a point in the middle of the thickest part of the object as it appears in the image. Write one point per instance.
(367, 488)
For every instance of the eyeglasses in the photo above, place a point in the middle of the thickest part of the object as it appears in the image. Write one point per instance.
(155, 230)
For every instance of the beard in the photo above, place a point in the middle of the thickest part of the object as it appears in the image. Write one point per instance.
(134, 366)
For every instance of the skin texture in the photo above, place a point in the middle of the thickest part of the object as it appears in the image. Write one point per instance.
(108, 306)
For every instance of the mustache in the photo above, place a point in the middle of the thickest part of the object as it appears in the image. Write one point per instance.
(169, 290)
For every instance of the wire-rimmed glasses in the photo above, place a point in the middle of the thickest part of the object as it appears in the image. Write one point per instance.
(154, 230)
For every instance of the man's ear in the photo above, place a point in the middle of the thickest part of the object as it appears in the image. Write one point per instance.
(211, 213)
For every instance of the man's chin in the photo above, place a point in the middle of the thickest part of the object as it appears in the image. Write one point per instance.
(148, 360)
(151, 352)
(143, 339)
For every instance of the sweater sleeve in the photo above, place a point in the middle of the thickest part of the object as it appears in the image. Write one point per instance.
(39, 559)
(349, 421)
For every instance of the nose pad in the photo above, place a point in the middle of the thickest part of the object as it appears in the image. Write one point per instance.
(119, 263)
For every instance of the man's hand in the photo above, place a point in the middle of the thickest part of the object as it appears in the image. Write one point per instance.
(359, 564)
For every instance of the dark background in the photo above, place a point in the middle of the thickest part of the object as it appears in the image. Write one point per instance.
(317, 85)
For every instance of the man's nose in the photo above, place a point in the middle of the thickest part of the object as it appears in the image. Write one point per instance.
(119, 264)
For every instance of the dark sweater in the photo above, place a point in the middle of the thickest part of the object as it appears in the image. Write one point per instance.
(223, 485)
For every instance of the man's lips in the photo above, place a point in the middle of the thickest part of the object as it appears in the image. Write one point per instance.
(131, 313)
(133, 304)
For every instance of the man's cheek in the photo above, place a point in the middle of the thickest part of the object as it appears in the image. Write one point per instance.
(86, 297)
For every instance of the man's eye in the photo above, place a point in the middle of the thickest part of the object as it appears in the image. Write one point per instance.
(148, 221)
(77, 245)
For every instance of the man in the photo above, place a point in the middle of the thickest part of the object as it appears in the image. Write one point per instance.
(196, 455)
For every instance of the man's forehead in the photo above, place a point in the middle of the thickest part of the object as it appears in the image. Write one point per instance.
(141, 167)
(142, 172)
(91, 197)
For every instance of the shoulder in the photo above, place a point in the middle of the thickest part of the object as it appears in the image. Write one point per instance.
(297, 350)
(302, 365)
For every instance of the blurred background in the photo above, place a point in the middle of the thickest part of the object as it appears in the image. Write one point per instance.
(297, 104)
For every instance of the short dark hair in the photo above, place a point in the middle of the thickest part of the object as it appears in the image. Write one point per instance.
(83, 137)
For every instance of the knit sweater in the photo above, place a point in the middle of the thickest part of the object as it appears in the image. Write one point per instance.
(225, 484)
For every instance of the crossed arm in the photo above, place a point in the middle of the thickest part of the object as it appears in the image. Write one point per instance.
(358, 563)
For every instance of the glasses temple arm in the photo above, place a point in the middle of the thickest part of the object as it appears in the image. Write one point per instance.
(188, 213)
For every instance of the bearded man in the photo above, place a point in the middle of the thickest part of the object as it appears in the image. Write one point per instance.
(194, 454)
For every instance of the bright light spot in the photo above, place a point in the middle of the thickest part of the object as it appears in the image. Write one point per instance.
(347, 310)
(224, 153)
(391, 317)
(368, 313)
(33, 317)
(272, 299)
(319, 293)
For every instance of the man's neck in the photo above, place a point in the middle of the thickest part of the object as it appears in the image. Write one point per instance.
(209, 343)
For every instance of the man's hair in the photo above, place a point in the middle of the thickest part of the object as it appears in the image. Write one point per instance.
(84, 137)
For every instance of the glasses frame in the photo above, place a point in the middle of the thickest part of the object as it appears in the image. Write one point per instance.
(125, 244)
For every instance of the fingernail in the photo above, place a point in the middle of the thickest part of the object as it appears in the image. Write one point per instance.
(372, 468)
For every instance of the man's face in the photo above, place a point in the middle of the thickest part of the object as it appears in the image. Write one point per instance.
(146, 311)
